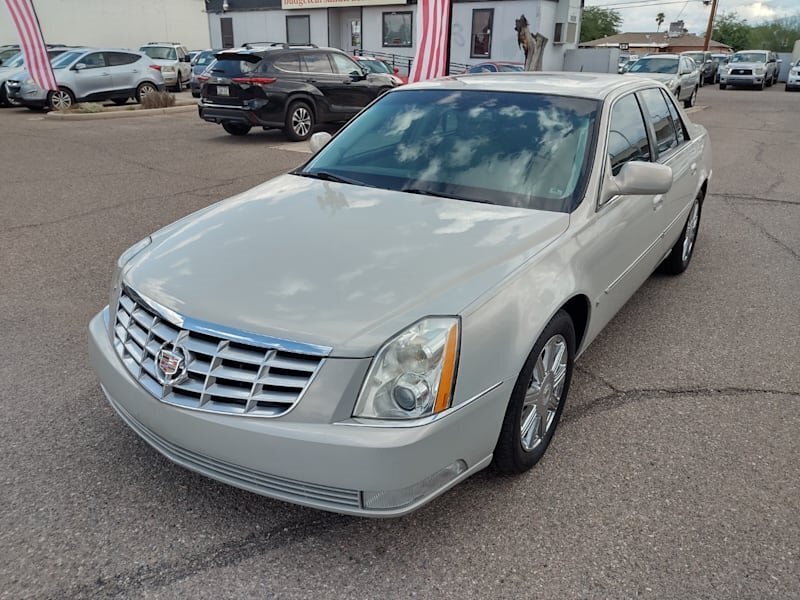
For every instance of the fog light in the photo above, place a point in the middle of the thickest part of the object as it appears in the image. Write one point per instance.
(408, 495)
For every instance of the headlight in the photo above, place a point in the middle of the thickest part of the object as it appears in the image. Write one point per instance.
(413, 374)
(29, 82)
(672, 83)
(759, 70)
(168, 69)
(124, 259)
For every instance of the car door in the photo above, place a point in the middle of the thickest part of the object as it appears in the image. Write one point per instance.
(93, 80)
(689, 76)
(318, 72)
(674, 149)
(622, 240)
(125, 71)
(359, 89)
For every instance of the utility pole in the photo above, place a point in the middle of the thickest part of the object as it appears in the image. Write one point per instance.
(710, 27)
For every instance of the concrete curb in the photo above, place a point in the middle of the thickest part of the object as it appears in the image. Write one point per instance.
(119, 114)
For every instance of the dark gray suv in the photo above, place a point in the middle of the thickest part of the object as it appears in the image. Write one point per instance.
(287, 87)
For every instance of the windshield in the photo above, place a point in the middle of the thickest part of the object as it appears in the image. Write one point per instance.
(698, 57)
(510, 68)
(505, 148)
(758, 57)
(375, 66)
(160, 52)
(16, 60)
(655, 65)
(64, 60)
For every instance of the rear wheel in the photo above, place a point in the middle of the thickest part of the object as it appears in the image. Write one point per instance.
(60, 99)
(538, 398)
(143, 90)
(236, 128)
(681, 253)
(299, 123)
(689, 102)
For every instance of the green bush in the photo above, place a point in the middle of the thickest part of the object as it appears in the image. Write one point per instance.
(158, 100)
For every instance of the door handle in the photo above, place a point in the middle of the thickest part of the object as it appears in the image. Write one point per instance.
(658, 201)
(311, 81)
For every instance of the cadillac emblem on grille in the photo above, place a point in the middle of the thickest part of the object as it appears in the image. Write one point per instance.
(171, 365)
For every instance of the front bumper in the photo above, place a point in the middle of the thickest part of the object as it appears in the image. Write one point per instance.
(340, 467)
(742, 80)
(793, 83)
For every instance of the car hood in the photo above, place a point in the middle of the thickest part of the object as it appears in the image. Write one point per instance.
(746, 65)
(9, 72)
(334, 264)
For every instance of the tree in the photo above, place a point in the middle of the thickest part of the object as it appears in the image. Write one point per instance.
(598, 23)
(732, 30)
(778, 36)
(660, 20)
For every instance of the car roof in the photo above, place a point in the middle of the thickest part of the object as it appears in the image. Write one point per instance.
(662, 55)
(596, 86)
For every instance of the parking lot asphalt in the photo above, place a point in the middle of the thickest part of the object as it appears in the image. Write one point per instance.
(674, 473)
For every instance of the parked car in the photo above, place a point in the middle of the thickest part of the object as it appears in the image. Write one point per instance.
(793, 80)
(201, 61)
(11, 69)
(496, 67)
(377, 65)
(405, 308)
(679, 73)
(707, 64)
(92, 75)
(173, 58)
(626, 65)
(752, 68)
(7, 52)
(293, 88)
(722, 64)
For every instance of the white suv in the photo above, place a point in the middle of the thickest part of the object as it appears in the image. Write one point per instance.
(173, 58)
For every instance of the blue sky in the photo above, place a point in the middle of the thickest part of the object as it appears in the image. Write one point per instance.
(694, 13)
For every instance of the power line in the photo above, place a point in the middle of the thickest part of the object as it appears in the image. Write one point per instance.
(637, 4)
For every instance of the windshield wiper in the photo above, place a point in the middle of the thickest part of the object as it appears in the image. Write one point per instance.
(327, 176)
(423, 192)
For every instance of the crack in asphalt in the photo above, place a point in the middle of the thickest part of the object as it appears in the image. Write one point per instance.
(622, 397)
(107, 207)
(227, 554)
(743, 197)
(763, 230)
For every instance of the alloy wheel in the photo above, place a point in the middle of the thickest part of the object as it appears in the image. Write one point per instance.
(691, 232)
(544, 393)
(301, 121)
(60, 100)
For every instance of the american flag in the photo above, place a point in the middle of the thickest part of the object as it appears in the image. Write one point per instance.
(32, 42)
(433, 39)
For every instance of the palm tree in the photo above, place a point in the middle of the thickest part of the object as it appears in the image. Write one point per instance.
(660, 20)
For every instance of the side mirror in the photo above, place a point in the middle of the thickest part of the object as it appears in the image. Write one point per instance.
(318, 141)
(79, 67)
(186, 59)
(638, 178)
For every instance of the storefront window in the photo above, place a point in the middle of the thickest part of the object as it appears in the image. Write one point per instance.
(481, 33)
(397, 29)
(298, 30)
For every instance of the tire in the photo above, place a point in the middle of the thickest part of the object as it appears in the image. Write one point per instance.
(3, 98)
(61, 99)
(722, 86)
(763, 84)
(299, 122)
(236, 128)
(689, 102)
(678, 94)
(524, 436)
(144, 89)
(119, 101)
(681, 254)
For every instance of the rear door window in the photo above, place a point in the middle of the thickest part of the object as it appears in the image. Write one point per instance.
(289, 63)
(116, 59)
(660, 119)
(344, 65)
(94, 60)
(627, 136)
(680, 128)
(316, 62)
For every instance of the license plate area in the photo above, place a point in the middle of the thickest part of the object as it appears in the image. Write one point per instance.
(223, 90)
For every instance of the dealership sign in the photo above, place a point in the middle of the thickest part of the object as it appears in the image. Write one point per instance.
(293, 4)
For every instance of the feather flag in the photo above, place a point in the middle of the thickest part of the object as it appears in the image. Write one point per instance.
(32, 43)
(433, 40)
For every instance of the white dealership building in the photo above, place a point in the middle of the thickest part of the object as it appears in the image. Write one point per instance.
(480, 31)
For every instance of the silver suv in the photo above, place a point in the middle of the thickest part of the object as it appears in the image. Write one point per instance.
(753, 68)
(91, 75)
(173, 58)
(679, 73)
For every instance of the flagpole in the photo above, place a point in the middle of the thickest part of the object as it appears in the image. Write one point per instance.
(449, 33)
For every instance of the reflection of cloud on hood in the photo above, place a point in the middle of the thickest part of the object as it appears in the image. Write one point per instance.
(292, 287)
(466, 217)
(476, 111)
(463, 151)
(403, 121)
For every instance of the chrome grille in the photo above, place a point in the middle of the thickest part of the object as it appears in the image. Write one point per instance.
(741, 71)
(222, 373)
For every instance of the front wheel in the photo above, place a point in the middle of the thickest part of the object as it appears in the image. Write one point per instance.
(299, 122)
(538, 398)
(119, 101)
(143, 90)
(236, 128)
(722, 86)
(60, 99)
(689, 102)
(681, 253)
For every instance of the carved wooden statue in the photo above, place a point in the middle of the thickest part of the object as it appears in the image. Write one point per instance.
(532, 44)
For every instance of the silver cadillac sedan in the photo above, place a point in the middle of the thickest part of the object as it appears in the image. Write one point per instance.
(406, 308)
